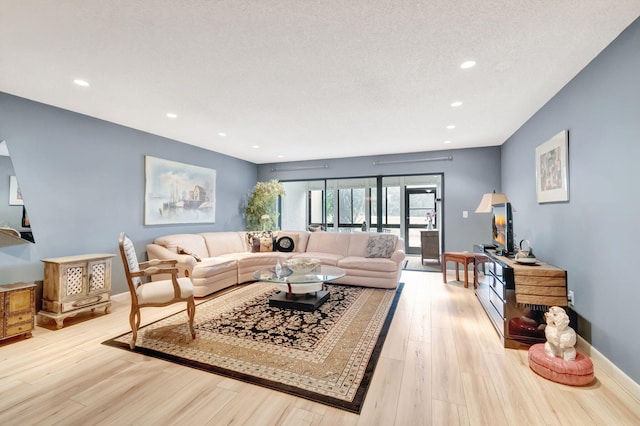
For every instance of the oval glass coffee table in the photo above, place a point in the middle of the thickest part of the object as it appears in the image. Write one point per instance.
(301, 291)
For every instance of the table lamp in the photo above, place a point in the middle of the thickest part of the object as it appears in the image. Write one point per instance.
(489, 200)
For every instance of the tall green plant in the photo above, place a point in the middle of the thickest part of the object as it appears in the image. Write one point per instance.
(261, 213)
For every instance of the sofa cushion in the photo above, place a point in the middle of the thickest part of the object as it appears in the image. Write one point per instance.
(381, 246)
(329, 242)
(219, 243)
(262, 260)
(192, 242)
(358, 243)
(330, 259)
(368, 264)
(213, 266)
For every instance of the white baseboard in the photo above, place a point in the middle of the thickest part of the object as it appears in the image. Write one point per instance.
(121, 297)
(609, 368)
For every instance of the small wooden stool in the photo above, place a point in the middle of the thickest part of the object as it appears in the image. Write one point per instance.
(458, 257)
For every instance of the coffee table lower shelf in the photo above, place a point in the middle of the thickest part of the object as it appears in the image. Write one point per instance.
(307, 302)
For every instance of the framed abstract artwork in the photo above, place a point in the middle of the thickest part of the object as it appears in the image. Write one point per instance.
(552, 173)
(178, 193)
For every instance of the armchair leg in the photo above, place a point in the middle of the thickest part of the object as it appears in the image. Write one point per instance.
(191, 311)
(134, 321)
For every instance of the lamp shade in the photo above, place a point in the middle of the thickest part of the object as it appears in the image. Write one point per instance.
(489, 200)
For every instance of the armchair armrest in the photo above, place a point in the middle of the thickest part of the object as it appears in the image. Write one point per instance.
(158, 262)
(154, 270)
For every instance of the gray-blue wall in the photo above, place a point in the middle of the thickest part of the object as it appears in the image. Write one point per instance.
(82, 180)
(595, 235)
(470, 174)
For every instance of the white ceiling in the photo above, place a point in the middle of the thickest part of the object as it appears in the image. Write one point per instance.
(305, 79)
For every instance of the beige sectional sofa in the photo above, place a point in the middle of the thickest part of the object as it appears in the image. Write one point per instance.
(217, 260)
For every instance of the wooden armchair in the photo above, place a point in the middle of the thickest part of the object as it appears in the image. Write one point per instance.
(153, 293)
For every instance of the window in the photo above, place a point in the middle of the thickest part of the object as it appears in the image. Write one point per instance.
(315, 207)
(351, 207)
(343, 205)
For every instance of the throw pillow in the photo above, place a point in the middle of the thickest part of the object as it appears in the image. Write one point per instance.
(266, 243)
(293, 244)
(182, 250)
(381, 246)
(260, 241)
(285, 244)
(251, 240)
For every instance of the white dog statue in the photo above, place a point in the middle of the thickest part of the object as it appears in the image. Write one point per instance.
(561, 338)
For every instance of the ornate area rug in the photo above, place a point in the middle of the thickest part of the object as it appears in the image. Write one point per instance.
(327, 356)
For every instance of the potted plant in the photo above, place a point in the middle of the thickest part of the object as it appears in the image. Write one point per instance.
(261, 213)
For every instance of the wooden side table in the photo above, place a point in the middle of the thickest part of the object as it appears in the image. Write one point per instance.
(17, 309)
(459, 257)
(430, 245)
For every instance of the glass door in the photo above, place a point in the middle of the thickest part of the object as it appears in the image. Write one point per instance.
(420, 205)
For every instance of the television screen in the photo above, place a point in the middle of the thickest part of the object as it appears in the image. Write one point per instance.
(502, 224)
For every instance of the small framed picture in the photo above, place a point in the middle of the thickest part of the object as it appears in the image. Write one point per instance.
(15, 196)
(552, 173)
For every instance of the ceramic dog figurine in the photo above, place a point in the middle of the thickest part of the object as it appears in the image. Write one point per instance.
(561, 338)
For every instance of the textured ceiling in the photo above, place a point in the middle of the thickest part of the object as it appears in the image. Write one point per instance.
(301, 79)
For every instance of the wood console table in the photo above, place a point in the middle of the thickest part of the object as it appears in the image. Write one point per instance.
(75, 284)
(516, 296)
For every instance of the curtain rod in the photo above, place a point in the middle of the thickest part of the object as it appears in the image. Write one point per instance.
(416, 160)
(292, 169)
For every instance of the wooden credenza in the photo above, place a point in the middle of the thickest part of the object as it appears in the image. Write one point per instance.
(430, 245)
(75, 284)
(516, 296)
(17, 309)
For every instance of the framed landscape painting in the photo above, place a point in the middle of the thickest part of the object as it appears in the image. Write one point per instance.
(178, 193)
(552, 175)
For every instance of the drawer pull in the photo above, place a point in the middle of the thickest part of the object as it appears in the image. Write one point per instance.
(85, 302)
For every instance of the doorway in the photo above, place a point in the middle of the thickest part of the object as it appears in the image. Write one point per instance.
(420, 210)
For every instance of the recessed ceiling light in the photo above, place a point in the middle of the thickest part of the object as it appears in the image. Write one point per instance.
(222, 134)
(255, 146)
(451, 126)
(280, 156)
(446, 142)
(172, 115)
(80, 82)
(456, 104)
(468, 64)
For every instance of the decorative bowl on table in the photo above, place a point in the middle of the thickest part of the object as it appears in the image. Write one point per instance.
(302, 266)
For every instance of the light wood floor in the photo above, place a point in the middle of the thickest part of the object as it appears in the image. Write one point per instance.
(442, 364)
